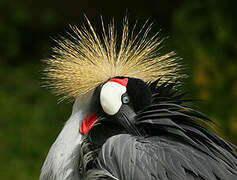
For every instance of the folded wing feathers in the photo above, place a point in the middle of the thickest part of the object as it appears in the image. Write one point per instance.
(159, 158)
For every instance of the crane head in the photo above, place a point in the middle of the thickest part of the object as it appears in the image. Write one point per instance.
(115, 103)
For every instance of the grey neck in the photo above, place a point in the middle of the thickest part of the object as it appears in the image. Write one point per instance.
(62, 160)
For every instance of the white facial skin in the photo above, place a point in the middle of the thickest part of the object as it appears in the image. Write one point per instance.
(110, 97)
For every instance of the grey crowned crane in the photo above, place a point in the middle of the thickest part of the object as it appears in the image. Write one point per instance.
(129, 121)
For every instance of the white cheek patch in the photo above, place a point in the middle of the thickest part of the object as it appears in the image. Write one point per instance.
(110, 97)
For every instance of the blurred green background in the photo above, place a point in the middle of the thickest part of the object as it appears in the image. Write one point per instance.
(202, 32)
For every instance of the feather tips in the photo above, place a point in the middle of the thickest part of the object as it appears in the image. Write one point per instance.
(89, 59)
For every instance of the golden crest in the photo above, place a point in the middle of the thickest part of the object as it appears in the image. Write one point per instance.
(89, 59)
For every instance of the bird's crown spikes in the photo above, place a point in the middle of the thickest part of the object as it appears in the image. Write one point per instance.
(87, 59)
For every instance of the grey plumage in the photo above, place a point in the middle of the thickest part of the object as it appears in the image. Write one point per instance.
(161, 158)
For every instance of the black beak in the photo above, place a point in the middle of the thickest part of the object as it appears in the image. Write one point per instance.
(105, 127)
(126, 118)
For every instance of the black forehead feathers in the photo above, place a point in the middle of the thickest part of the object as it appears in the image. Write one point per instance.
(139, 93)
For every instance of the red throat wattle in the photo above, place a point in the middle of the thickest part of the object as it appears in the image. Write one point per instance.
(87, 123)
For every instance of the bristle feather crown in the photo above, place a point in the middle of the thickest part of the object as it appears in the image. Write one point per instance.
(81, 64)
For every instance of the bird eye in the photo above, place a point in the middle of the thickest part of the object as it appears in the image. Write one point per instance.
(125, 99)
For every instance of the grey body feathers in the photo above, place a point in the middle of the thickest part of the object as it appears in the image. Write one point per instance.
(160, 158)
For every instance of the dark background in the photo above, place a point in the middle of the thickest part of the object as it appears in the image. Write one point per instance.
(203, 33)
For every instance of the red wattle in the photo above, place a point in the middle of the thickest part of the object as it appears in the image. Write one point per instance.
(87, 123)
(123, 82)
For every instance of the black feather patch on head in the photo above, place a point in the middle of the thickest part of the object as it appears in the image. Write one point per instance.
(139, 93)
